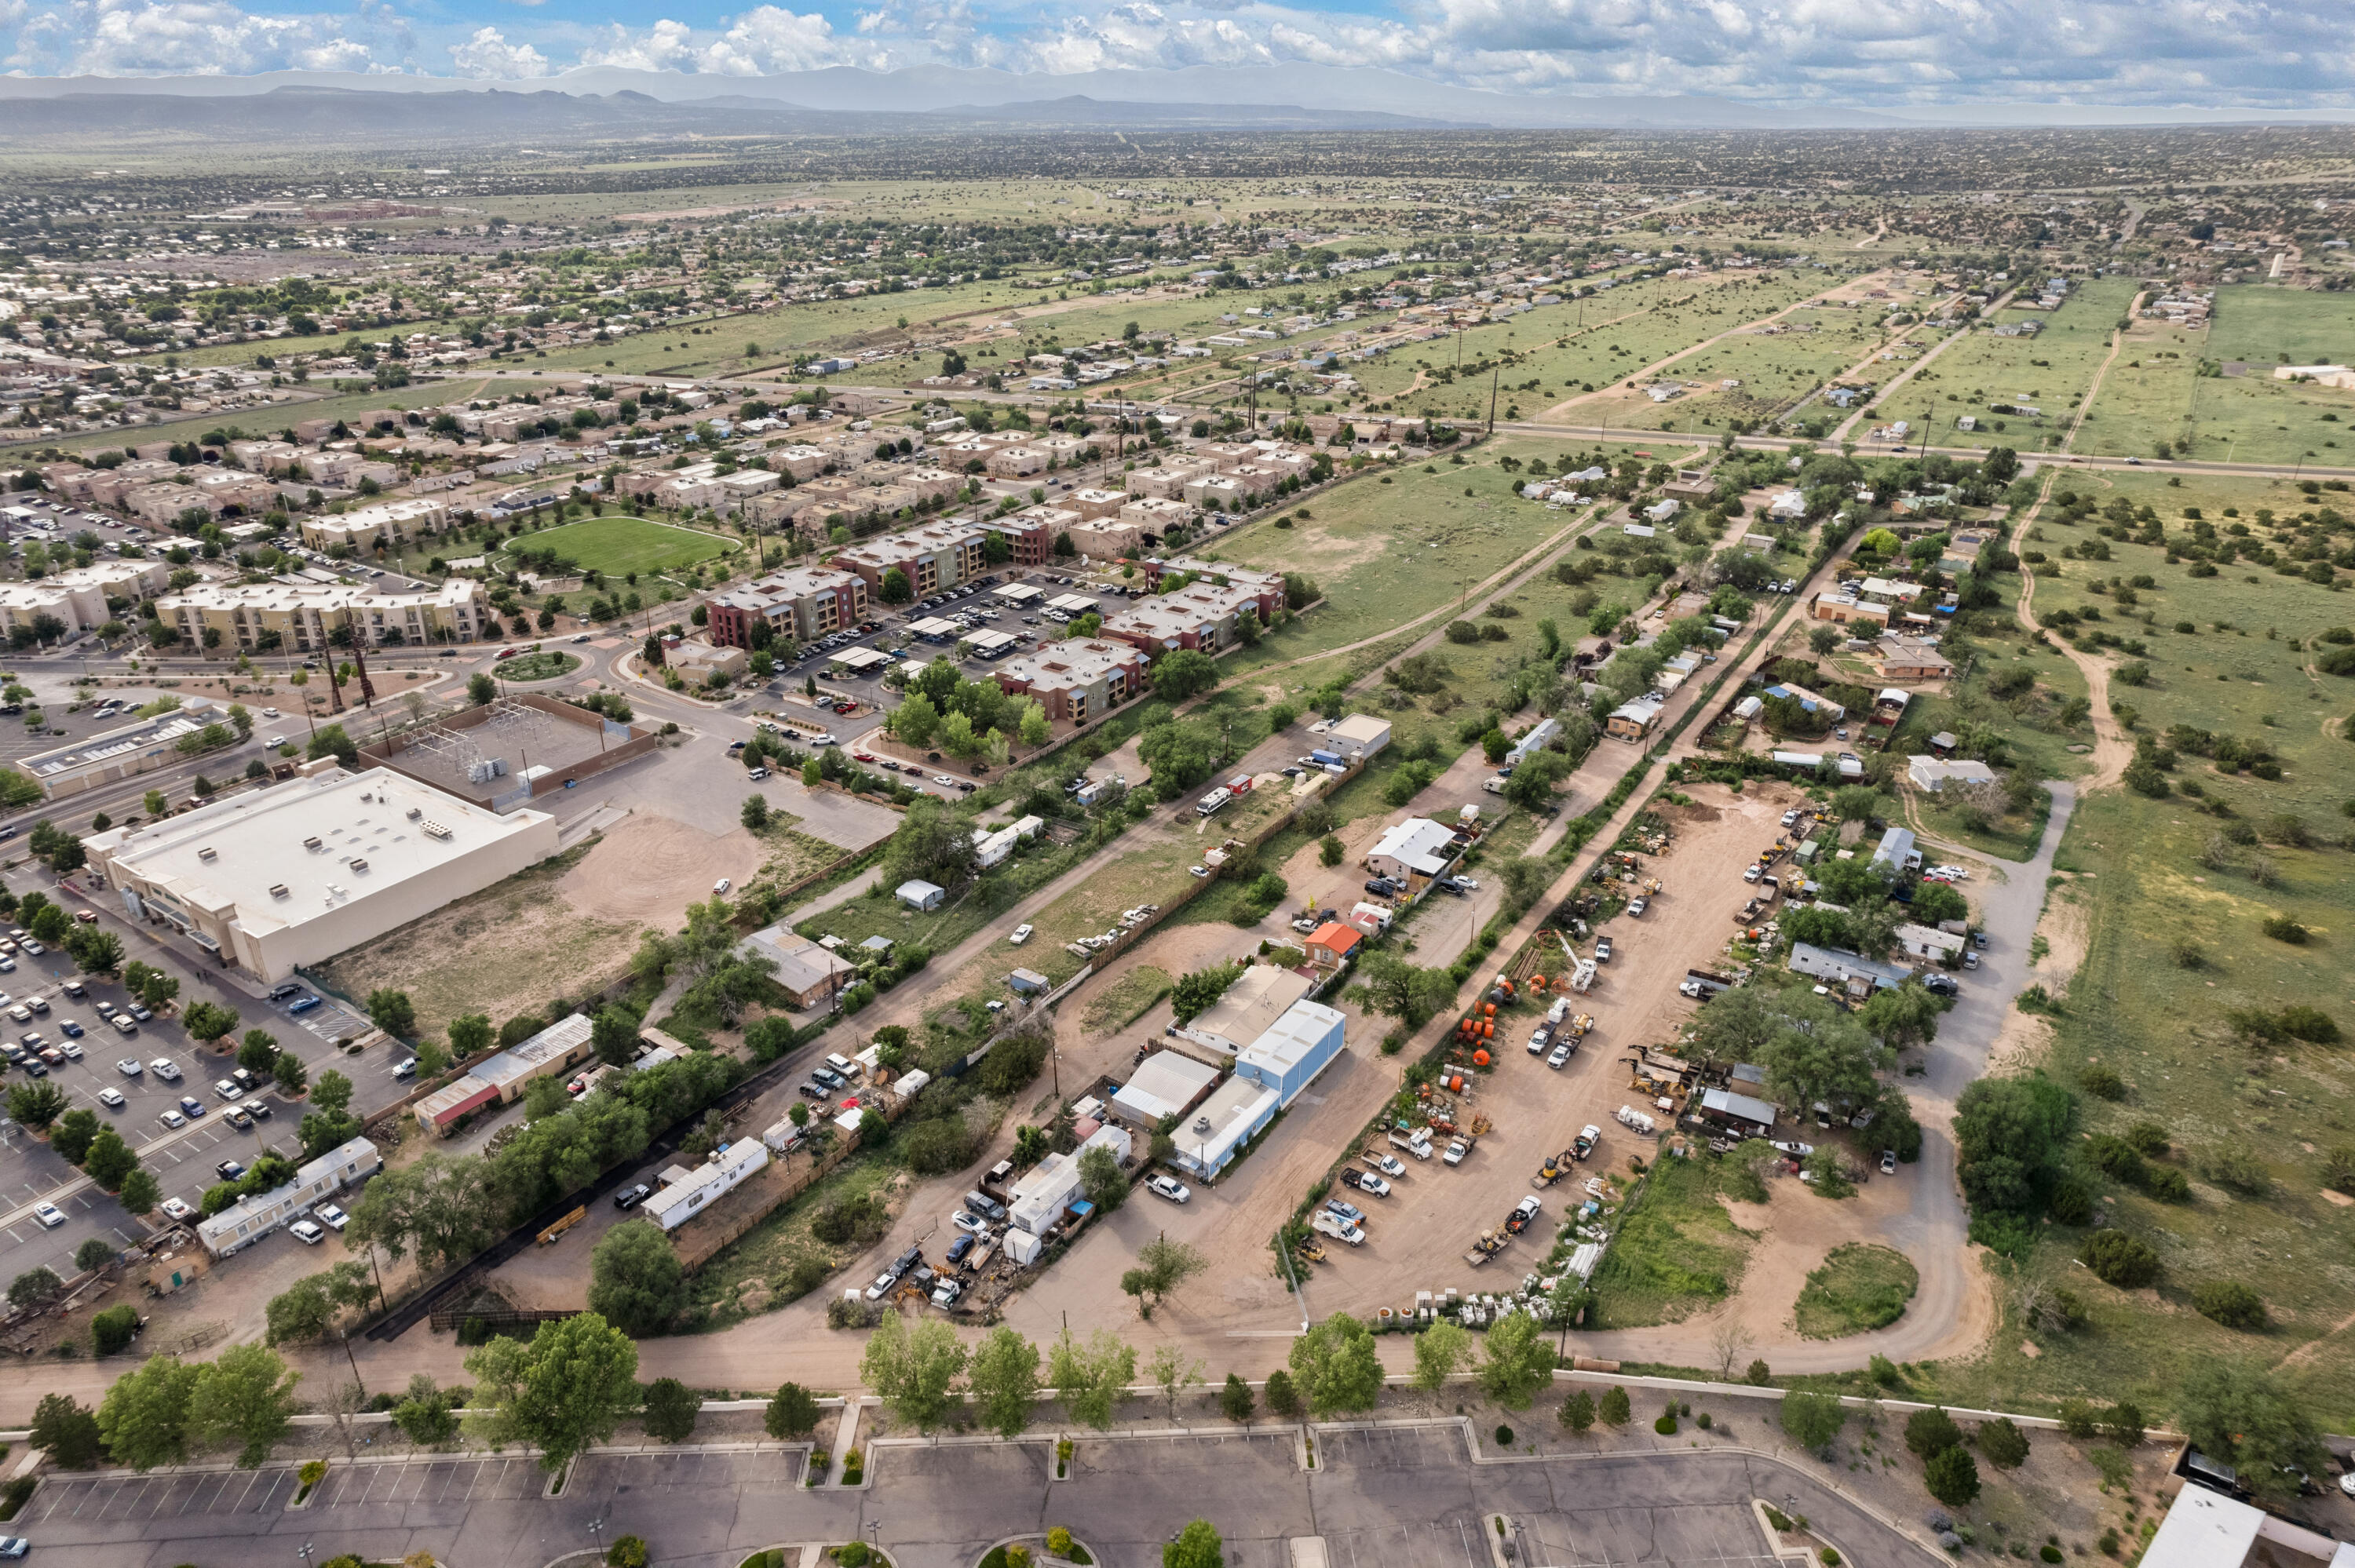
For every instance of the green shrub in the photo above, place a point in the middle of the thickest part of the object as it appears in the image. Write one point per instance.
(2119, 1259)
(2230, 1303)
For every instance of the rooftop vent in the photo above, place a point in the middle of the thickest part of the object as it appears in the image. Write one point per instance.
(277, 890)
(415, 813)
(207, 851)
(358, 864)
(435, 829)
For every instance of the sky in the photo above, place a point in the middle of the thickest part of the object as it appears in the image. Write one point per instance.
(1895, 55)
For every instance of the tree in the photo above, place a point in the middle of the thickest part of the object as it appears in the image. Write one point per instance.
(2004, 1444)
(306, 1310)
(144, 1415)
(1440, 1353)
(392, 1012)
(791, 1414)
(157, 988)
(440, 1207)
(259, 1053)
(98, 952)
(35, 1288)
(1952, 1477)
(612, 1034)
(67, 1432)
(141, 1191)
(755, 814)
(72, 1134)
(1236, 1399)
(481, 689)
(563, 1392)
(1336, 1366)
(1517, 1360)
(1162, 1265)
(2241, 1414)
(1197, 1546)
(1194, 994)
(1089, 1378)
(671, 1408)
(426, 1414)
(1578, 1413)
(1102, 1180)
(36, 1104)
(245, 1398)
(910, 1367)
(1035, 728)
(209, 1021)
(109, 1161)
(895, 587)
(1003, 1378)
(634, 1278)
(1813, 1420)
(291, 1072)
(333, 1092)
(1927, 1430)
(470, 1035)
(1173, 1372)
(1615, 1410)
(111, 1331)
(95, 1253)
(1182, 673)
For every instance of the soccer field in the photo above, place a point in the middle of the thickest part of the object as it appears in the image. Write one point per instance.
(619, 545)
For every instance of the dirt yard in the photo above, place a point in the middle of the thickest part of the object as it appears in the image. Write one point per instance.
(649, 868)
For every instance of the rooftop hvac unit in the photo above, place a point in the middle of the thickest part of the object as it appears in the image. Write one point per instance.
(415, 813)
(311, 843)
(435, 829)
(366, 795)
(277, 890)
(358, 864)
(207, 851)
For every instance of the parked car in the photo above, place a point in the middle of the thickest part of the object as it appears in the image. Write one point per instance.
(174, 1208)
(1602, 950)
(968, 1222)
(1022, 934)
(1168, 1187)
(308, 1233)
(1889, 1163)
(1560, 1056)
(49, 1214)
(112, 1099)
(229, 1170)
(629, 1198)
(303, 1003)
(258, 1110)
(1348, 1211)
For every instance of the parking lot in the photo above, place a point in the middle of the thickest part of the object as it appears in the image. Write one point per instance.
(184, 1160)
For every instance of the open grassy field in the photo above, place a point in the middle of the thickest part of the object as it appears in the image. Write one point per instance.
(1586, 343)
(2168, 910)
(1775, 371)
(2265, 325)
(1387, 549)
(2049, 371)
(620, 545)
(2239, 419)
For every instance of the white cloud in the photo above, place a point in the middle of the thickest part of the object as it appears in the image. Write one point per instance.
(489, 55)
(1898, 53)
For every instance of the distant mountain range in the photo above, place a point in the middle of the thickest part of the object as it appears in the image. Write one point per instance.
(607, 100)
(603, 101)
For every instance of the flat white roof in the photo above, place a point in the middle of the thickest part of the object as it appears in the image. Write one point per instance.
(1017, 593)
(253, 851)
(1163, 1085)
(1261, 995)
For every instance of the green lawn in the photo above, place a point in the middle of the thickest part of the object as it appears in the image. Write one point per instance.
(1858, 1289)
(617, 545)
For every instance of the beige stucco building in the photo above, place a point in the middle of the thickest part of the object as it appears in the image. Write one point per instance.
(304, 614)
(294, 874)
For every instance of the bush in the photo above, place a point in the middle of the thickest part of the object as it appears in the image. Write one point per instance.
(2230, 1303)
(629, 1552)
(2102, 1083)
(2234, 1168)
(2119, 1259)
(2004, 1444)
(1665, 1427)
(2168, 1185)
(1928, 1431)
(2282, 928)
(1952, 1477)
(113, 1328)
(1757, 1374)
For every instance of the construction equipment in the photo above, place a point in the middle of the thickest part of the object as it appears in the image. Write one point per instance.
(556, 1231)
(1553, 1168)
(1580, 1022)
(1308, 1251)
(1490, 1244)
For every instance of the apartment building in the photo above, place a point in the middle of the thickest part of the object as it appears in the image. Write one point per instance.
(1026, 534)
(1201, 615)
(77, 596)
(388, 525)
(802, 603)
(1076, 681)
(936, 557)
(300, 616)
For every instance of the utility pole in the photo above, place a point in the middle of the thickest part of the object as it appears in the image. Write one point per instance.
(1494, 371)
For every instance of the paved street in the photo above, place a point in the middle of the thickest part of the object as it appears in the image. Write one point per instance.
(1390, 1498)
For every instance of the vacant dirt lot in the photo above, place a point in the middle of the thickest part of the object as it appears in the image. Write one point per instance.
(508, 949)
(649, 868)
